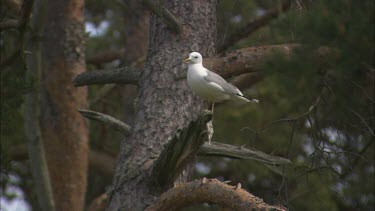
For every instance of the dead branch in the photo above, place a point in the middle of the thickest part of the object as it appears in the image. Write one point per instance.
(105, 57)
(210, 191)
(108, 120)
(124, 75)
(179, 151)
(164, 14)
(239, 152)
(254, 25)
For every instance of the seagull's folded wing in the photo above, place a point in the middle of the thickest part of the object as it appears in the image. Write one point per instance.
(221, 82)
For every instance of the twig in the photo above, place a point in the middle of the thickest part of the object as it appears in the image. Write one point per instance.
(239, 152)
(164, 14)
(108, 120)
(210, 191)
(254, 25)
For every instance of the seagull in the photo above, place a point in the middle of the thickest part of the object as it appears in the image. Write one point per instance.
(209, 85)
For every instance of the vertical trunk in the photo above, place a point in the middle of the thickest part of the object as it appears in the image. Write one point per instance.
(165, 104)
(136, 44)
(64, 131)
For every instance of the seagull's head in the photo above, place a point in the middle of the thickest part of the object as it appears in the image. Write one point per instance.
(194, 58)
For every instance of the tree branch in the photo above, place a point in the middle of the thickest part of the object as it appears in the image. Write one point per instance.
(179, 151)
(232, 63)
(108, 120)
(164, 14)
(124, 75)
(254, 25)
(238, 152)
(210, 191)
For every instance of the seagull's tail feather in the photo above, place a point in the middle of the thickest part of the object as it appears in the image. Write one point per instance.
(244, 99)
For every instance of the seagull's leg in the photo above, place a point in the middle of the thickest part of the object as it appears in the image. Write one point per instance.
(211, 124)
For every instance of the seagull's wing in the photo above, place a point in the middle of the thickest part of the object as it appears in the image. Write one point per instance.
(219, 81)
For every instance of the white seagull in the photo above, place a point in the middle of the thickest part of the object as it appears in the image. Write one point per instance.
(209, 85)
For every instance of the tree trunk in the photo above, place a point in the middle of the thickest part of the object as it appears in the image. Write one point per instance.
(136, 44)
(64, 131)
(165, 104)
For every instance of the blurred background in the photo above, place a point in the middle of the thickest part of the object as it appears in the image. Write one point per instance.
(317, 104)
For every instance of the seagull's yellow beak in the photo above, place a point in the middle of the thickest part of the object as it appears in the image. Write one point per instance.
(187, 60)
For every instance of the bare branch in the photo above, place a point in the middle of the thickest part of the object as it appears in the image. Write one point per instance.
(254, 25)
(179, 151)
(108, 120)
(210, 191)
(124, 75)
(239, 152)
(232, 63)
(163, 13)
(105, 57)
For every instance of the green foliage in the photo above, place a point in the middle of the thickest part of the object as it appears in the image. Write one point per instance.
(331, 145)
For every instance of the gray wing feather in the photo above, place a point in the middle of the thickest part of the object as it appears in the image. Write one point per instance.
(229, 88)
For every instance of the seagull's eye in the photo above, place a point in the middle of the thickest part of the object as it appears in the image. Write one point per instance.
(196, 57)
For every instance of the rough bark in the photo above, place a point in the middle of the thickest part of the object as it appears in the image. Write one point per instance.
(136, 30)
(164, 105)
(210, 191)
(64, 131)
